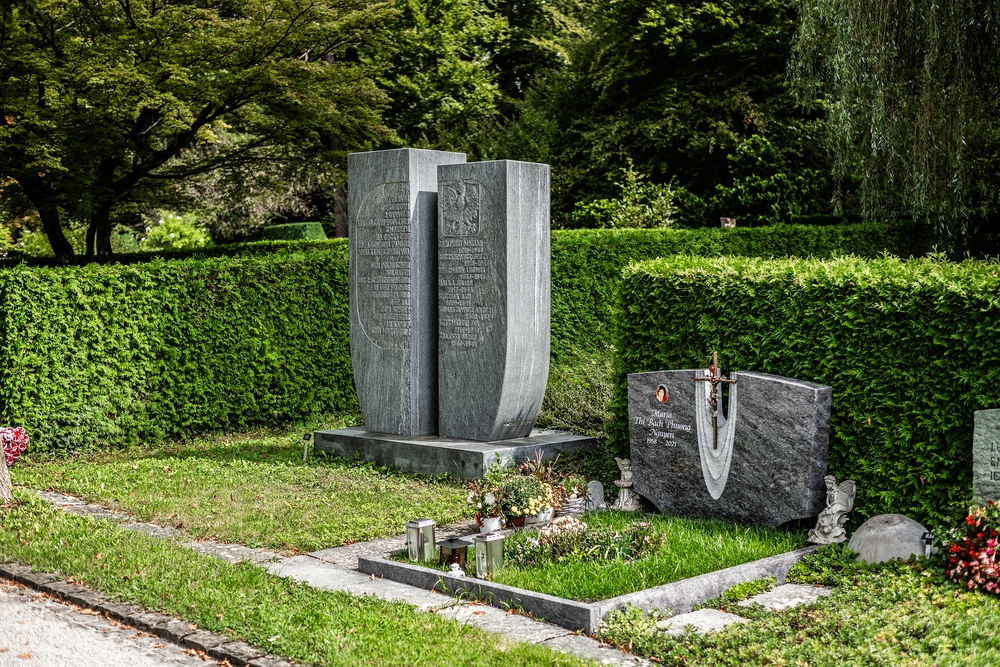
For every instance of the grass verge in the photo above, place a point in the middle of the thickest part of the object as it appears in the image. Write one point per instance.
(252, 489)
(243, 601)
(691, 547)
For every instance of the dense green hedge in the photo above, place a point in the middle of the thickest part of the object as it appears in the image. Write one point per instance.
(586, 264)
(909, 347)
(227, 250)
(115, 354)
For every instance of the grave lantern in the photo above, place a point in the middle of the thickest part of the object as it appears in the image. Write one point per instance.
(489, 554)
(454, 551)
(420, 543)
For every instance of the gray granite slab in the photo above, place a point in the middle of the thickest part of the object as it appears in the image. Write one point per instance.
(787, 596)
(703, 621)
(986, 456)
(766, 466)
(493, 298)
(392, 217)
(431, 455)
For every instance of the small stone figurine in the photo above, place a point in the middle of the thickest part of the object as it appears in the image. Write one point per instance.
(830, 523)
(628, 500)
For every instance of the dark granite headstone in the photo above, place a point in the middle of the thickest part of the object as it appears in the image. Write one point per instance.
(986, 456)
(766, 466)
(493, 298)
(392, 217)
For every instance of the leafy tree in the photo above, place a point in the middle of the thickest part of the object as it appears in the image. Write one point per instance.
(103, 104)
(674, 86)
(911, 91)
(765, 190)
(438, 71)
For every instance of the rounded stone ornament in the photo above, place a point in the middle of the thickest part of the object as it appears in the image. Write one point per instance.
(887, 536)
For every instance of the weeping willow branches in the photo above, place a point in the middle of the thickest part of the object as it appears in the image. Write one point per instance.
(910, 88)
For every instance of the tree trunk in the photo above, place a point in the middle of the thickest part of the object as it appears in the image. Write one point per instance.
(6, 490)
(42, 198)
(101, 224)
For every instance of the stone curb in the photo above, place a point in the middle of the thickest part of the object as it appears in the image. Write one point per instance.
(219, 647)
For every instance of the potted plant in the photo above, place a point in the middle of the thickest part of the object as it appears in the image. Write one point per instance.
(484, 496)
(523, 496)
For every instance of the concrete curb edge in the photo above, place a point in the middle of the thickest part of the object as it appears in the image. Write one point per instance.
(219, 647)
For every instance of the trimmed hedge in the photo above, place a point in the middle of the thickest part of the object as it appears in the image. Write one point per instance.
(118, 354)
(909, 348)
(295, 231)
(587, 264)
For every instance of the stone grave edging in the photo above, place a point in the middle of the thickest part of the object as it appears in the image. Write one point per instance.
(678, 596)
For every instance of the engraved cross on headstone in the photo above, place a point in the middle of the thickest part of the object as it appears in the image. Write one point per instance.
(713, 399)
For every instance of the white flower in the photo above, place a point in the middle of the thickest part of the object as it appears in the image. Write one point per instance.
(490, 498)
(472, 496)
(172, 235)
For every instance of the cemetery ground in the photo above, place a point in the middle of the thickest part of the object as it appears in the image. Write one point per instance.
(226, 487)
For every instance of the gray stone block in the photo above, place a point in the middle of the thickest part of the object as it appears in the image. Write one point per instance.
(431, 455)
(493, 298)
(118, 610)
(238, 653)
(392, 206)
(203, 640)
(174, 630)
(703, 621)
(766, 466)
(147, 620)
(787, 596)
(986, 456)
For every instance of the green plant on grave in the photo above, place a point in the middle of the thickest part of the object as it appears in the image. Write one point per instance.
(829, 565)
(621, 628)
(741, 591)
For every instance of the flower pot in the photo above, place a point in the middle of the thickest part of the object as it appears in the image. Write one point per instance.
(517, 521)
(489, 524)
(542, 517)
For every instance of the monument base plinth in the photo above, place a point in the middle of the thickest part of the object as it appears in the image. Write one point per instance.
(433, 455)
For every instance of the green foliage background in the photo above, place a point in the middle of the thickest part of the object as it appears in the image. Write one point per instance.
(118, 354)
(908, 347)
(587, 263)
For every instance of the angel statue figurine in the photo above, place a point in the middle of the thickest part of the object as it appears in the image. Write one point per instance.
(830, 523)
(628, 500)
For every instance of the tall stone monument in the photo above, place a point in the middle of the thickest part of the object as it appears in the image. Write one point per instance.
(392, 218)
(986, 456)
(493, 298)
(760, 459)
(449, 274)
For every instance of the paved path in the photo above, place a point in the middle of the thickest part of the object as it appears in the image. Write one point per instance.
(35, 629)
(336, 569)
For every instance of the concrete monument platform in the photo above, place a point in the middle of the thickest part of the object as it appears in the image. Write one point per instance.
(432, 455)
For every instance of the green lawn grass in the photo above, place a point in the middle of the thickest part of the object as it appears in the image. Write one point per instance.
(691, 547)
(245, 602)
(894, 615)
(251, 489)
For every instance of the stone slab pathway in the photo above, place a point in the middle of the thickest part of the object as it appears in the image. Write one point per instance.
(336, 569)
(787, 596)
(703, 621)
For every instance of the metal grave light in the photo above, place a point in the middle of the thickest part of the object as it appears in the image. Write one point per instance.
(489, 554)
(420, 544)
(454, 551)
